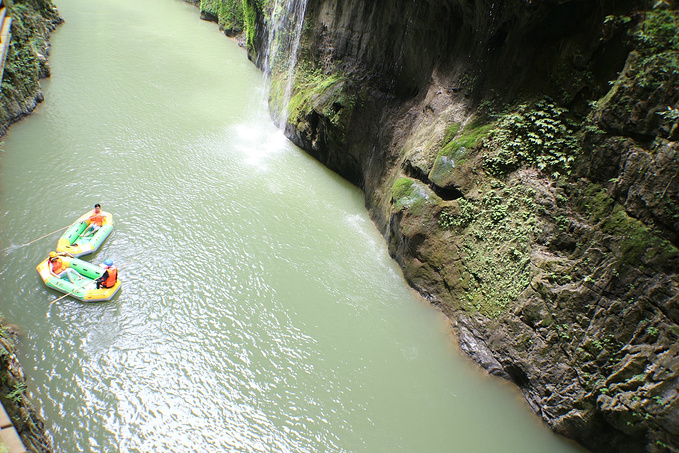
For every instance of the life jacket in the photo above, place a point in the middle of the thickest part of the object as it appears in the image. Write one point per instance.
(97, 219)
(58, 266)
(112, 277)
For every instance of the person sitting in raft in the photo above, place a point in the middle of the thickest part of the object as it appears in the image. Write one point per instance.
(59, 269)
(110, 276)
(95, 221)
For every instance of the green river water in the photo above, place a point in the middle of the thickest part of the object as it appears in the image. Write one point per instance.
(260, 311)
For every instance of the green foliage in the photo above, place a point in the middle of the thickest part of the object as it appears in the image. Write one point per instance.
(16, 394)
(231, 15)
(327, 94)
(671, 114)
(497, 231)
(658, 32)
(250, 20)
(658, 69)
(210, 7)
(464, 216)
(618, 20)
(541, 135)
(25, 61)
(657, 40)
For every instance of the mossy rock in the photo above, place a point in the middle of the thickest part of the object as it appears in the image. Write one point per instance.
(639, 245)
(455, 151)
(409, 194)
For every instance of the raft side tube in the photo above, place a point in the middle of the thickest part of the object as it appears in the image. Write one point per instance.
(83, 290)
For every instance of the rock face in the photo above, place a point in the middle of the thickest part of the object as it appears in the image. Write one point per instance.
(228, 14)
(21, 411)
(26, 62)
(521, 160)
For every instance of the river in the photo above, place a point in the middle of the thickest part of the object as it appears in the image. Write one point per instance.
(260, 310)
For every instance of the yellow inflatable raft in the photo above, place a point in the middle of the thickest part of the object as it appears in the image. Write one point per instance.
(75, 243)
(84, 288)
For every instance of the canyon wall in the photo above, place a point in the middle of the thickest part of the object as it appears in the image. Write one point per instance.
(520, 159)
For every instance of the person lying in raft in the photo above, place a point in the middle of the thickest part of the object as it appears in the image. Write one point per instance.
(59, 269)
(110, 276)
(95, 221)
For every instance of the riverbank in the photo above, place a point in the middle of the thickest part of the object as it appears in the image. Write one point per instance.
(23, 415)
(26, 61)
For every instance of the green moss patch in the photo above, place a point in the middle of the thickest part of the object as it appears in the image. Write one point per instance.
(313, 90)
(638, 242)
(451, 131)
(454, 151)
(470, 138)
(409, 194)
(251, 10)
(496, 233)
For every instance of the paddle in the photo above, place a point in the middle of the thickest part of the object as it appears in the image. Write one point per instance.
(14, 247)
(66, 295)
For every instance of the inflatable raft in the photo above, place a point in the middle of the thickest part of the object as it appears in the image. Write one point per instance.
(75, 244)
(84, 289)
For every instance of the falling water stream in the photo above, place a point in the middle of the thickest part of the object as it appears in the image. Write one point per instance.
(260, 311)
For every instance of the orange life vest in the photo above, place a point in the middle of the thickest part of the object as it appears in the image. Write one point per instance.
(97, 219)
(112, 277)
(58, 266)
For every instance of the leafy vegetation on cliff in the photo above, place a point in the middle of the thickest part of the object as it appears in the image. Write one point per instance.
(227, 13)
(564, 240)
(312, 90)
(498, 231)
(26, 62)
(541, 135)
(657, 39)
(14, 398)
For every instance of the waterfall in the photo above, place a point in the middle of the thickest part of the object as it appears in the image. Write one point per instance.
(285, 24)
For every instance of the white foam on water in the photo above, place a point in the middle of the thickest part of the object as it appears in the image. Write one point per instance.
(256, 146)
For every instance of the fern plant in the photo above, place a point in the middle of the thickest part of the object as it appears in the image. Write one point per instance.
(541, 135)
